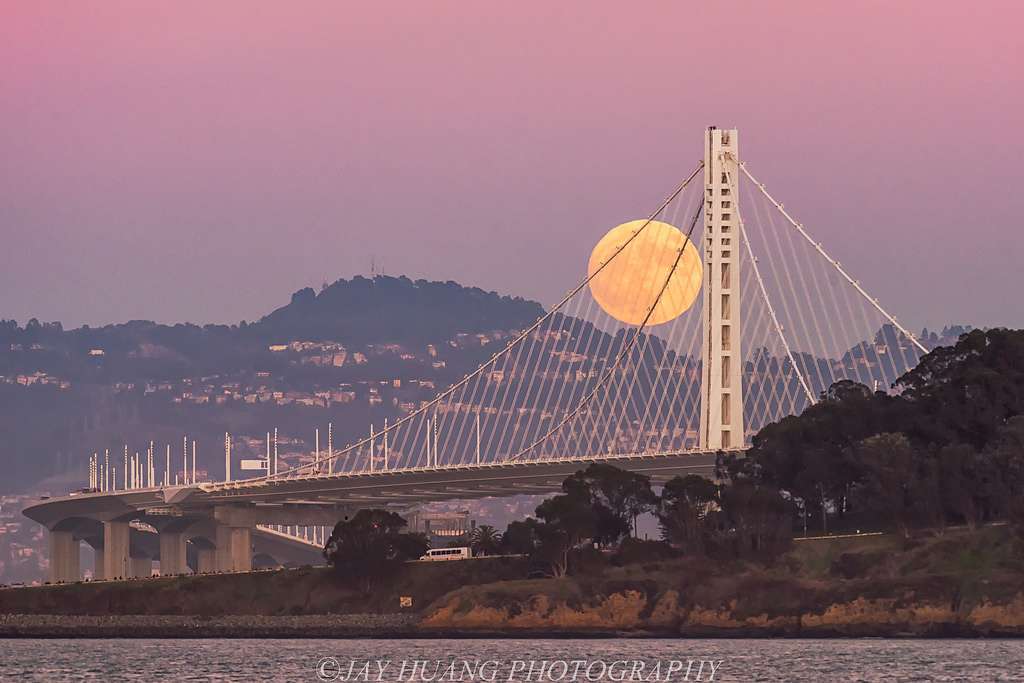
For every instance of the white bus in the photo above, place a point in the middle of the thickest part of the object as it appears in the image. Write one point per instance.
(443, 554)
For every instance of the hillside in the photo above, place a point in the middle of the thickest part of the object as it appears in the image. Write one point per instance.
(356, 312)
(67, 393)
(393, 309)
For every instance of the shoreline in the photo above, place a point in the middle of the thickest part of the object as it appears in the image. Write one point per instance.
(407, 626)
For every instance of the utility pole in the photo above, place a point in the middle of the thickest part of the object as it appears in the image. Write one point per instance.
(435, 438)
(427, 441)
(227, 457)
(330, 448)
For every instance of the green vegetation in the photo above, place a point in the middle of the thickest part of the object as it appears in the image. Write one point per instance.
(599, 506)
(485, 540)
(948, 449)
(371, 547)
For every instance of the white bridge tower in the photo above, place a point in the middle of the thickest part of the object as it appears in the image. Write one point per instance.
(721, 406)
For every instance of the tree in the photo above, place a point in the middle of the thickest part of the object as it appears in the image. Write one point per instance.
(686, 505)
(966, 392)
(1004, 460)
(371, 546)
(809, 455)
(962, 482)
(520, 538)
(757, 517)
(618, 497)
(572, 512)
(888, 462)
(553, 547)
(545, 544)
(485, 540)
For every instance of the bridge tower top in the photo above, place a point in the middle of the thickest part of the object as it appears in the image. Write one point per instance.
(721, 420)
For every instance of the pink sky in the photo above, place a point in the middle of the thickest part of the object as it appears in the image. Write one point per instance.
(201, 160)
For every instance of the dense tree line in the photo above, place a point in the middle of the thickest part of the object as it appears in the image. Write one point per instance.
(598, 507)
(948, 448)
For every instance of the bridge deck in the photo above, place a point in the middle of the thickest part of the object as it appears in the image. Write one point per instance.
(395, 488)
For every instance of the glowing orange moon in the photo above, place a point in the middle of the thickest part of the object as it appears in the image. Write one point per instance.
(628, 286)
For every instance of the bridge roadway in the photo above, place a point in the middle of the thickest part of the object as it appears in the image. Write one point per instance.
(213, 526)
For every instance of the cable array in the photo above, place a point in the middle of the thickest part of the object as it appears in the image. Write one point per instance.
(578, 382)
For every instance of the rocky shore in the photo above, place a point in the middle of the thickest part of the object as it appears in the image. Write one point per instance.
(633, 613)
(616, 617)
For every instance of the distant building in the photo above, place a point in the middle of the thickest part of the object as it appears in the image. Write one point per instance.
(441, 527)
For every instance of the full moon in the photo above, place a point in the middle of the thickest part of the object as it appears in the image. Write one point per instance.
(630, 283)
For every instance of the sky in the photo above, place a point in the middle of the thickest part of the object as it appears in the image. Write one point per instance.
(199, 161)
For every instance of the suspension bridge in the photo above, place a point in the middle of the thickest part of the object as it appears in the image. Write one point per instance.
(692, 328)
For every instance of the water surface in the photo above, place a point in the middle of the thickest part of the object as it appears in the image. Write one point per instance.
(298, 660)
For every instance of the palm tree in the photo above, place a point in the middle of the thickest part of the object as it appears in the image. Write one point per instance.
(485, 540)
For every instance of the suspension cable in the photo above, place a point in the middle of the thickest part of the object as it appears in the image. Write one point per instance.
(508, 347)
(835, 264)
(764, 294)
(626, 348)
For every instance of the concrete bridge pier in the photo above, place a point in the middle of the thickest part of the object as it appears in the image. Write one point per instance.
(173, 557)
(206, 560)
(141, 567)
(117, 550)
(96, 544)
(64, 563)
(234, 537)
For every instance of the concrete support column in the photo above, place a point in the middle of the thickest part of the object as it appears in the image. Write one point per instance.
(206, 560)
(116, 557)
(234, 548)
(234, 537)
(96, 544)
(141, 567)
(63, 557)
(172, 553)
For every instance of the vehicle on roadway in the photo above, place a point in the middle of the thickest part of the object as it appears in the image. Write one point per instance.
(444, 554)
